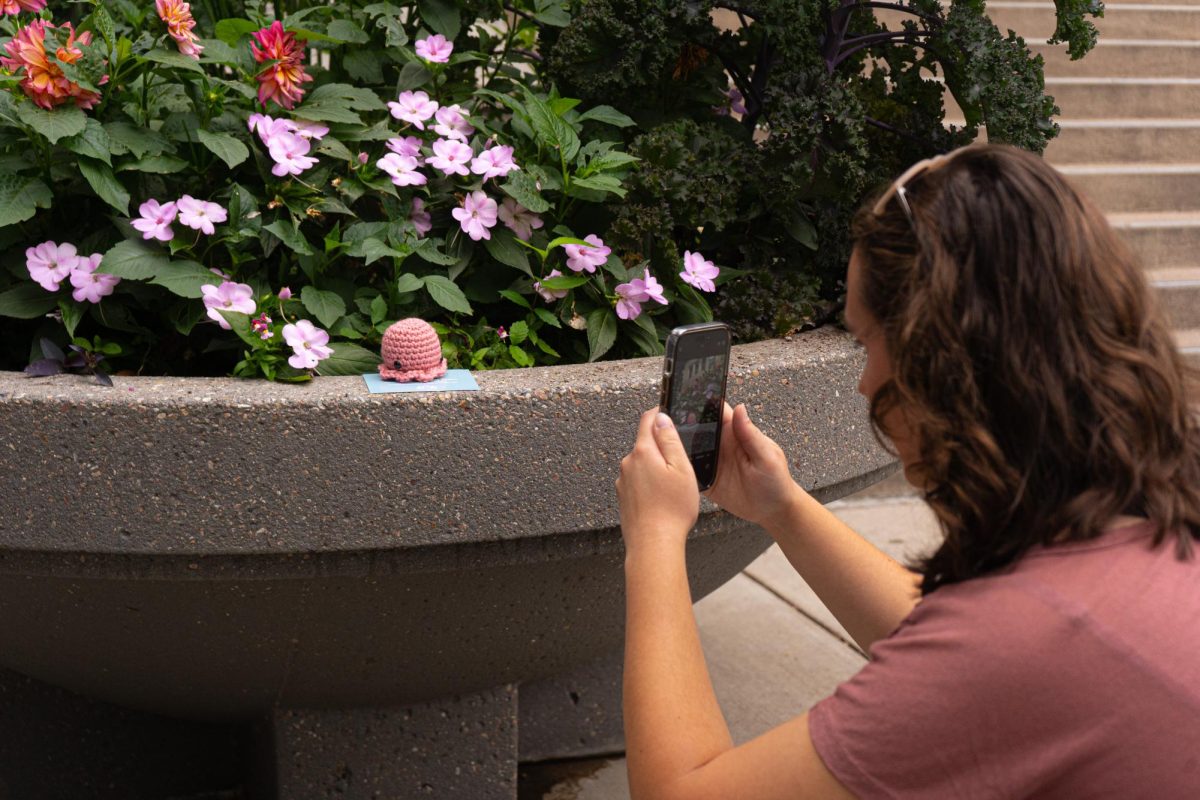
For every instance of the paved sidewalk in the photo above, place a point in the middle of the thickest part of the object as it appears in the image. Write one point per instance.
(772, 648)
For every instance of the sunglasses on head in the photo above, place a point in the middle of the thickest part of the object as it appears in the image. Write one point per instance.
(897, 188)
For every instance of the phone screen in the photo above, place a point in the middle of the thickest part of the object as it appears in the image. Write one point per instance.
(697, 398)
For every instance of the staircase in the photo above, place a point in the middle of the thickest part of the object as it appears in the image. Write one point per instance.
(1131, 134)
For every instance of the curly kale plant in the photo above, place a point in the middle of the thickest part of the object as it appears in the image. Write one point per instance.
(762, 125)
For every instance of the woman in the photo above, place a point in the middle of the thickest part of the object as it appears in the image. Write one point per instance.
(1015, 361)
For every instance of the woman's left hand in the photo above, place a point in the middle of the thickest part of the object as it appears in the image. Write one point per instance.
(657, 489)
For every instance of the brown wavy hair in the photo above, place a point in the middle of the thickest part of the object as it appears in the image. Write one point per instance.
(1034, 369)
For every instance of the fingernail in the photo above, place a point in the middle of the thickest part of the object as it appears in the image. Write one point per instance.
(662, 420)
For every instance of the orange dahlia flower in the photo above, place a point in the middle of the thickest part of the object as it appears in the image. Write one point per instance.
(178, 17)
(280, 79)
(15, 7)
(44, 81)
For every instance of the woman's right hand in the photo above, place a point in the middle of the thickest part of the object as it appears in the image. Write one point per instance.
(753, 481)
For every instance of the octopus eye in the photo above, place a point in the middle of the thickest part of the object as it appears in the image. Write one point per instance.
(397, 365)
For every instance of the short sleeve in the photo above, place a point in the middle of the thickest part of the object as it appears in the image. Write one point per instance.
(954, 703)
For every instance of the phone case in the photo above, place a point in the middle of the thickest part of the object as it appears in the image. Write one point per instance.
(711, 339)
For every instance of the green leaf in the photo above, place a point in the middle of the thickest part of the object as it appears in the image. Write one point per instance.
(515, 297)
(609, 161)
(134, 260)
(413, 75)
(240, 324)
(72, 313)
(66, 120)
(92, 141)
(232, 31)
(183, 316)
(289, 233)
(326, 306)
(552, 131)
(102, 21)
(519, 332)
(447, 294)
(133, 139)
(607, 114)
(225, 147)
(560, 282)
(218, 52)
(441, 16)
(185, 278)
(603, 183)
(345, 30)
(428, 250)
(373, 250)
(158, 165)
(21, 197)
(348, 359)
(520, 356)
(548, 318)
(504, 248)
(553, 15)
(522, 188)
(379, 309)
(174, 59)
(26, 301)
(602, 332)
(409, 283)
(105, 184)
(642, 330)
(342, 94)
(800, 228)
(363, 66)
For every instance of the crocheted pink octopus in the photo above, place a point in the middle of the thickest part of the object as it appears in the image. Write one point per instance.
(411, 352)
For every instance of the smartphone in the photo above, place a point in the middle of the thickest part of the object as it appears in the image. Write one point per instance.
(693, 392)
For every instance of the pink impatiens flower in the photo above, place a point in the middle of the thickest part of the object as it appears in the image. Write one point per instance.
(290, 153)
(639, 290)
(495, 162)
(476, 215)
(414, 107)
(309, 129)
(409, 146)
(435, 48)
(308, 342)
(284, 59)
(229, 296)
(14, 7)
(581, 257)
(90, 285)
(420, 218)
(450, 157)
(200, 215)
(699, 272)
(285, 293)
(178, 17)
(49, 263)
(452, 123)
(402, 169)
(156, 219)
(550, 295)
(519, 219)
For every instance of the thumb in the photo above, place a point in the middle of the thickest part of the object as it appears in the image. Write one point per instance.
(753, 441)
(669, 443)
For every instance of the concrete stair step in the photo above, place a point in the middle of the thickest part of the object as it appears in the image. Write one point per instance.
(1036, 21)
(1146, 187)
(1160, 240)
(1145, 58)
(1171, 141)
(1116, 98)
(1178, 293)
(1189, 344)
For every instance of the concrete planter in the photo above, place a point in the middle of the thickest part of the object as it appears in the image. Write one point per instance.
(310, 557)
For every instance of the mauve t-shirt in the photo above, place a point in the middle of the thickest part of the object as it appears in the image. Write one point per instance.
(1074, 674)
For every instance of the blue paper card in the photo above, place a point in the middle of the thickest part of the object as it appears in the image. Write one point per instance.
(455, 380)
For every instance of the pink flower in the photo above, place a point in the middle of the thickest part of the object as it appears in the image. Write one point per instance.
(290, 153)
(155, 222)
(309, 129)
(420, 218)
(736, 104)
(268, 128)
(409, 146)
(199, 215)
(699, 272)
(452, 123)
(450, 157)
(495, 162)
(49, 263)
(280, 79)
(639, 290)
(285, 293)
(550, 295)
(363, 158)
(308, 342)
(216, 271)
(503, 334)
(229, 296)
(435, 48)
(403, 170)
(519, 219)
(178, 17)
(89, 284)
(581, 257)
(14, 7)
(262, 326)
(44, 81)
(476, 215)
(414, 107)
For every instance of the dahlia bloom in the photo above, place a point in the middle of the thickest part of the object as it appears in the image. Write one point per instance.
(280, 79)
(44, 81)
(14, 7)
(178, 17)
